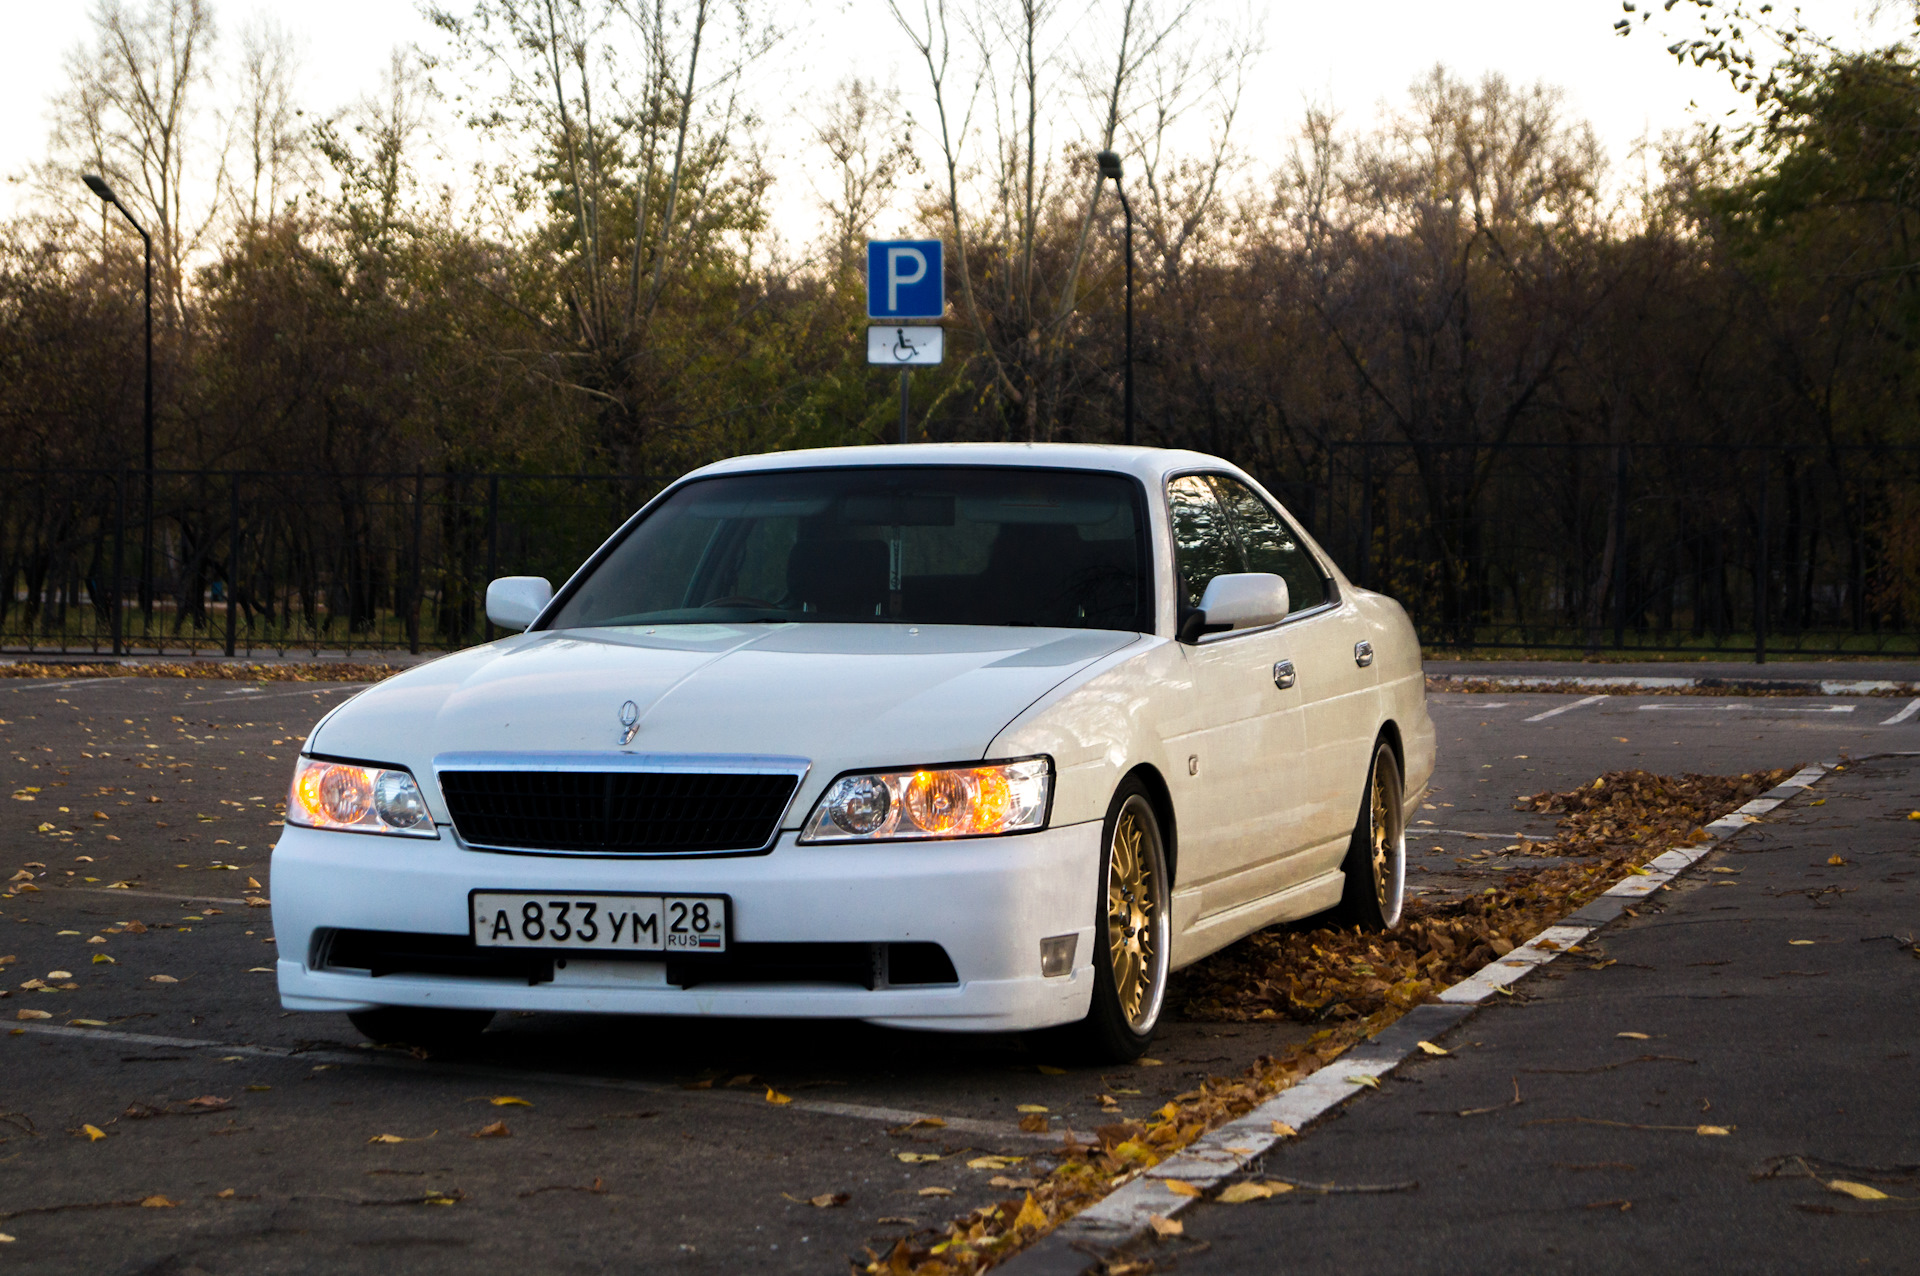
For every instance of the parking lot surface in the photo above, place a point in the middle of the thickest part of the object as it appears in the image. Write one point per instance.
(228, 1135)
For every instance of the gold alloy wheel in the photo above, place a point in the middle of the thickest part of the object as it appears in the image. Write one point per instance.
(1381, 818)
(1133, 930)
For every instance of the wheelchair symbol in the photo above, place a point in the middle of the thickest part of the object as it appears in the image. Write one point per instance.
(903, 349)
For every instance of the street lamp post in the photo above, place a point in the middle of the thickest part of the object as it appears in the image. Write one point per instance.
(1110, 167)
(98, 186)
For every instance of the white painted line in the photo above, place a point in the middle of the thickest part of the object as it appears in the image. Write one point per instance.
(1565, 708)
(1127, 1213)
(1482, 837)
(1913, 707)
(1760, 707)
(378, 1059)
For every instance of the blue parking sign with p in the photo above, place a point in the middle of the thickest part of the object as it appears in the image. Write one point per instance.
(905, 279)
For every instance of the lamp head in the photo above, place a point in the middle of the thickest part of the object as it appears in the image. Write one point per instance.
(98, 185)
(1109, 162)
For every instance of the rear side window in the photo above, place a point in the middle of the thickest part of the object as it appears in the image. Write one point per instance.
(1271, 545)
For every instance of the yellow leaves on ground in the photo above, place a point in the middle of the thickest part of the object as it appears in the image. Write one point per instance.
(917, 1158)
(162, 979)
(1801, 943)
(1858, 1191)
(1428, 1047)
(1030, 1107)
(87, 1023)
(1035, 1124)
(774, 1096)
(1030, 1217)
(394, 1138)
(1241, 1193)
(1284, 1130)
(101, 959)
(93, 1132)
(33, 1014)
(1167, 1226)
(1837, 861)
(158, 1202)
(988, 1162)
(824, 1201)
(59, 974)
(936, 1191)
(1715, 1130)
(1048, 1070)
(1913, 815)
(498, 1130)
(1372, 1083)
(1633, 1036)
(509, 1101)
(1179, 1187)
(1148, 1063)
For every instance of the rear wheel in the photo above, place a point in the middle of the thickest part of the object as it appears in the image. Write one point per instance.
(1131, 932)
(1376, 863)
(430, 1027)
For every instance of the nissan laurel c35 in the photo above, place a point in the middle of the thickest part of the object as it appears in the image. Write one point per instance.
(970, 737)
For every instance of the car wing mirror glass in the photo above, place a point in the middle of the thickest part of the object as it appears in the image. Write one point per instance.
(1239, 600)
(514, 602)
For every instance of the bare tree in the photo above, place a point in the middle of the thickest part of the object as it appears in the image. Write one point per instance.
(869, 139)
(267, 125)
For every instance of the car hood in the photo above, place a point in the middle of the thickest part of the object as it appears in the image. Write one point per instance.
(839, 696)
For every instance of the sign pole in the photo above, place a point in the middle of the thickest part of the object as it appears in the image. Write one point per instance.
(904, 374)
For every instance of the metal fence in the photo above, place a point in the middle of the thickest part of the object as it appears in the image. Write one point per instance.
(1752, 550)
(1744, 550)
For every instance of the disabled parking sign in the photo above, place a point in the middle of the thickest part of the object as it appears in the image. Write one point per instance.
(905, 279)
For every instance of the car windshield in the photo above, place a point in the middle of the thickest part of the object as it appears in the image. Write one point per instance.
(945, 545)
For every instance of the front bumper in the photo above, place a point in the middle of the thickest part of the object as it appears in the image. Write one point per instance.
(987, 901)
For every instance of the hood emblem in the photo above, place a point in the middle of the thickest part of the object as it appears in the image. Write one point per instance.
(630, 719)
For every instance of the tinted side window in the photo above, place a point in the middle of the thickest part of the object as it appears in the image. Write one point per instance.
(1203, 547)
(1271, 545)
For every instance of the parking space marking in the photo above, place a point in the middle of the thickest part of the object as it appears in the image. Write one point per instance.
(1744, 708)
(481, 1072)
(140, 893)
(1913, 707)
(308, 690)
(1566, 708)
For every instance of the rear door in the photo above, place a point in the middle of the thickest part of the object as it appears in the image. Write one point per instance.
(1338, 696)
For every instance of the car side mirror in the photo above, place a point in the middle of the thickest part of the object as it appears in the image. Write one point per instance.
(1240, 600)
(514, 602)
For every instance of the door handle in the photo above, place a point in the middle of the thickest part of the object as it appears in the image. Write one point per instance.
(1363, 653)
(1283, 675)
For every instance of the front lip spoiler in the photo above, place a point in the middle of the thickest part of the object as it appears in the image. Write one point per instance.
(656, 763)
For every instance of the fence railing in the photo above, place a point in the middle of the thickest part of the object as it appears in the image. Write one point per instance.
(1746, 550)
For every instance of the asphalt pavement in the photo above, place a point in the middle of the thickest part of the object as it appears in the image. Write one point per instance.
(1681, 1097)
(262, 1138)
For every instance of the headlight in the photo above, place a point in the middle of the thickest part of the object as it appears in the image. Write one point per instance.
(970, 801)
(359, 799)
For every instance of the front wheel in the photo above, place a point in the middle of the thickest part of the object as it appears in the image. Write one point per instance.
(1132, 932)
(1376, 863)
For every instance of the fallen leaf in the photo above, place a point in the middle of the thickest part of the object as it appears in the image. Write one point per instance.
(1030, 1107)
(1801, 943)
(1284, 1130)
(1241, 1193)
(5, 1239)
(1034, 1124)
(498, 1130)
(101, 959)
(936, 1191)
(1180, 1187)
(1031, 1216)
(1148, 1063)
(158, 1202)
(209, 1102)
(774, 1096)
(59, 974)
(917, 1158)
(1430, 1048)
(1836, 861)
(93, 1132)
(1858, 1191)
(1001, 1180)
(86, 1023)
(162, 979)
(984, 1162)
(437, 1198)
(1048, 1070)
(1634, 1036)
(509, 1101)
(224, 1194)
(33, 1014)
(1166, 1226)
(1372, 1083)
(1713, 1129)
(253, 884)
(829, 1200)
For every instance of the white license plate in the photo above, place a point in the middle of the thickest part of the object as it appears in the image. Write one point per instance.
(603, 923)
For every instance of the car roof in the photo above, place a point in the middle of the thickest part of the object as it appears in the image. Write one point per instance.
(1150, 464)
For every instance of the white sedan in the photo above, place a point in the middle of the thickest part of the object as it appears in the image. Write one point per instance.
(971, 737)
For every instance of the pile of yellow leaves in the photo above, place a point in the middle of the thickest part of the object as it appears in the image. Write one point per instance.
(207, 671)
(1354, 982)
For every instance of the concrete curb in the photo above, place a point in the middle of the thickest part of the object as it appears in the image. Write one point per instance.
(1125, 1215)
(1733, 686)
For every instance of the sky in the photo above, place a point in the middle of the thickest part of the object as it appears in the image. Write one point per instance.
(1352, 57)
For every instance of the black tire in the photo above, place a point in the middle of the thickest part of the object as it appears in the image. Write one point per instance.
(430, 1027)
(1133, 932)
(1376, 863)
